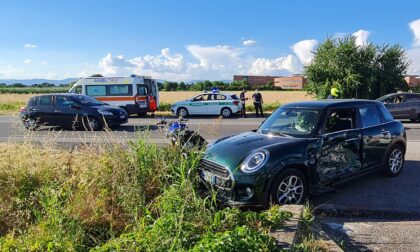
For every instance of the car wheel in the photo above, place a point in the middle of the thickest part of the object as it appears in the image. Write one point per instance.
(93, 124)
(31, 123)
(182, 112)
(290, 187)
(395, 161)
(226, 112)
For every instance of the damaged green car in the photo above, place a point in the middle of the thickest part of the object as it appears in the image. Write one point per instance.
(304, 148)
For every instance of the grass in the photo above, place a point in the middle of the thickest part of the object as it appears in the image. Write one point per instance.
(110, 197)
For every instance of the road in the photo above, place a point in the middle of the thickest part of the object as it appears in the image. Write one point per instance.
(372, 213)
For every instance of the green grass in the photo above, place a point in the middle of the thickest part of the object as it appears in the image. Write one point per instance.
(118, 198)
(10, 107)
(33, 90)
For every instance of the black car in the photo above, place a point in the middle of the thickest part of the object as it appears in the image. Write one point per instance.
(71, 111)
(304, 148)
(403, 105)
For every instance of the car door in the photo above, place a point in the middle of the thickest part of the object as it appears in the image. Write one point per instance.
(394, 105)
(66, 110)
(375, 134)
(45, 110)
(219, 103)
(339, 150)
(413, 106)
(196, 105)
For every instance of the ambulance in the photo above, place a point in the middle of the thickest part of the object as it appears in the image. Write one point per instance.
(135, 94)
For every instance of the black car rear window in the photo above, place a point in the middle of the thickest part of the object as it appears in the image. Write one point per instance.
(387, 117)
(369, 115)
(45, 100)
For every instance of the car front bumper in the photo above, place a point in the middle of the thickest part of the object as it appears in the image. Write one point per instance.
(115, 120)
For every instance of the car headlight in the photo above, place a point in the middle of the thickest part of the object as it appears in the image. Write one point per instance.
(255, 161)
(105, 112)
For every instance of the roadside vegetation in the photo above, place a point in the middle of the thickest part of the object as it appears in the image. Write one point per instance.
(118, 198)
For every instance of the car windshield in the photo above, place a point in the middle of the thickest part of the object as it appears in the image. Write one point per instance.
(296, 122)
(87, 100)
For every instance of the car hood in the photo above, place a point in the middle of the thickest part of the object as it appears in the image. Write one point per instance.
(231, 151)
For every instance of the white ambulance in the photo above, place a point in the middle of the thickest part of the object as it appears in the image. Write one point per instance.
(135, 94)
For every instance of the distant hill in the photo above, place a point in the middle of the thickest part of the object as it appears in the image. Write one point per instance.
(30, 82)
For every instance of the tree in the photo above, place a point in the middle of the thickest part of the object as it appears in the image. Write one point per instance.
(367, 71)
(182, 86)
(170, 86)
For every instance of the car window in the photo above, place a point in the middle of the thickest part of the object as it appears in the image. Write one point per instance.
(369, 115)
(219, 97)
(198, 98)
(64, 102)
(120, 90)
(234, 97)
(412, 98)
(96, 90)
(385, 113)
(338, 120)
(45, 100)
(141, 90)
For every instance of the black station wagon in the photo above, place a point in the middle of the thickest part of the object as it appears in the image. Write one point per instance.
(304, 148)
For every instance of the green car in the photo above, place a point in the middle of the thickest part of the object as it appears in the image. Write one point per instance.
(304, 148)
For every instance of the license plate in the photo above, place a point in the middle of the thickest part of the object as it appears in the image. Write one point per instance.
(122, 117)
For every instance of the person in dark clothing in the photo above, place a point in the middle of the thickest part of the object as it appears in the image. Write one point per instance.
(258, 102)
(243, 99)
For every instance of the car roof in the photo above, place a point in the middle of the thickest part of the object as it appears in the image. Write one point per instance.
(332, 103)
(65, 94)
(401, 93)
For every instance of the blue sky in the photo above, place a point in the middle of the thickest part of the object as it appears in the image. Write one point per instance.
(185, 40)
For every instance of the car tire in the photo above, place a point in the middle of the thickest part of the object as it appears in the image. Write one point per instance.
(395, 161)
(182, 112)
(31, 123)
(289, 187)
(226, 112)
(93, 124)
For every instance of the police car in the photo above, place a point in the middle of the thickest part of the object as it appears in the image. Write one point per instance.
(212, 103)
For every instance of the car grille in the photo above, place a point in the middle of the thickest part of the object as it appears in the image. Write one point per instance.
(214, 168)
(215, 174)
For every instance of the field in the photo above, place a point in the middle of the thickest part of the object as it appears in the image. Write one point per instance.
(10, 103)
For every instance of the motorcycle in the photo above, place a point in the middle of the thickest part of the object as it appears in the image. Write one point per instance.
(179, 134)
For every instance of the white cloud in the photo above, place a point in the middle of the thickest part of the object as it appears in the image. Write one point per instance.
(30, 46)
(117, 65)
(249, 42)
(304, 50)
(43, 62)
(28, 61)
(263, 66)
(361, 37)
(415, 28)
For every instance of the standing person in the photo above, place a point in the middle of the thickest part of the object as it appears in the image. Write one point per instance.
(243, 99)
(258, 101)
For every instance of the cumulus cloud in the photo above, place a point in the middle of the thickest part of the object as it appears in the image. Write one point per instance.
(115, 65)
(263, 66)
(304, 50)
(249, 42)
(28, 61)
(30, 45)
(415, 28)
(361, 37)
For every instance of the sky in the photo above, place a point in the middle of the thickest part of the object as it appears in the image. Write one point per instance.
(180, 40)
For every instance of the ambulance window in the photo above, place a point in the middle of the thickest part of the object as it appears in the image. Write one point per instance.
(141, 90)
(96, 90)
(120, 90)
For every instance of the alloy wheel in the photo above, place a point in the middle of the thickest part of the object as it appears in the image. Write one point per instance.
(93, 123)
(226, 112)
(183, 112)
(290, 190)
(395, 161)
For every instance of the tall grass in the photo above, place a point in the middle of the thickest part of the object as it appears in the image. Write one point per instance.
(118, 198)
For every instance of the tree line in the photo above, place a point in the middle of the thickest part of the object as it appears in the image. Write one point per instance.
(208, 85)
(41, 85)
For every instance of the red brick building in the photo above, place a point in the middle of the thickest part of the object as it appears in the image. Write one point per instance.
(291, 82)
(412, 80)
(255, 80)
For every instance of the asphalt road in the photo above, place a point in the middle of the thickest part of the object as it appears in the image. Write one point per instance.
(372, 213)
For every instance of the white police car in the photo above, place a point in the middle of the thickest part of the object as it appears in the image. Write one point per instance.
(213, 103)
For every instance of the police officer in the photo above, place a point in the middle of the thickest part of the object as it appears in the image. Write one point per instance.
(243, 99)
(333, 94)
(258, 101)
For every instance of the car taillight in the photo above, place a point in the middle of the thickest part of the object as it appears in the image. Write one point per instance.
(235, 102)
